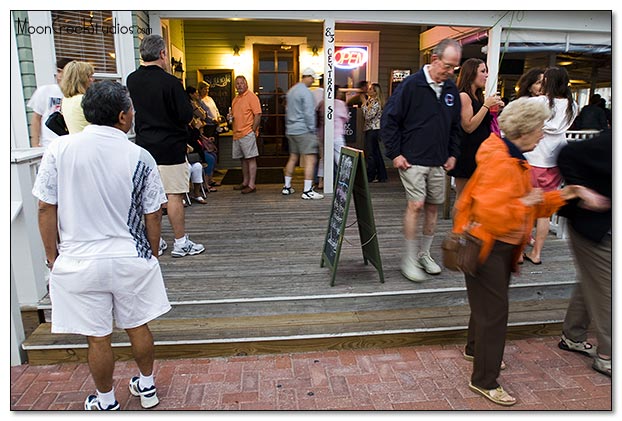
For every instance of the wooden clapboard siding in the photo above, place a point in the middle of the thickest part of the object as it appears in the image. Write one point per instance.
(209, 43)
(140, 18)
(399, 48)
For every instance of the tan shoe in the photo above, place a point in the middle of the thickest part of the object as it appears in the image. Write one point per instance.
(498, 395)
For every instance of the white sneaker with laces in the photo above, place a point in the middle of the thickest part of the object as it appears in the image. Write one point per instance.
(163, 246)
(312, 195)
(148, 397)
(411, 270)
(287, 191)
(92, 404)
(189, 248)
(428, 264)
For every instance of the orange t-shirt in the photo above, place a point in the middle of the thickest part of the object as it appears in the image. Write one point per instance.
(244, 109)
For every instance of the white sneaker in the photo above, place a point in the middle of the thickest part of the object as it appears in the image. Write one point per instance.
(287, 191)
(412, 270)
(312, 195)
(92, 404)
(148, 397)
(189, 248)
(163, 246)
(428, 264)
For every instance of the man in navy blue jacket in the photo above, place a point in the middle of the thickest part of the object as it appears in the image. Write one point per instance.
(420, 128)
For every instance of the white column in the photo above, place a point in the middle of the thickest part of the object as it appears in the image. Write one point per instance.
(492, 61)
(329, 103)
(43, 50)
(124, 44)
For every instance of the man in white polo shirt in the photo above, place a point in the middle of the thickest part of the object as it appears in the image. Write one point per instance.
(95, 188)
(43, 102)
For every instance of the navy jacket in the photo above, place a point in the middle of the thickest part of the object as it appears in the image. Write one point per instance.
(417, 125)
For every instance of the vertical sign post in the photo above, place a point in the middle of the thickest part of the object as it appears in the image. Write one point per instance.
(329, 103)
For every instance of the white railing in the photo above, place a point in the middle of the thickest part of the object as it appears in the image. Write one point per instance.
(28, 272)
(558, 223)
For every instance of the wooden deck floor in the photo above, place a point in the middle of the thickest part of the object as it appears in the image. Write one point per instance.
(266, 245)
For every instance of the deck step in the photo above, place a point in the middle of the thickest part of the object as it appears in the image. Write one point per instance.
(244, 335)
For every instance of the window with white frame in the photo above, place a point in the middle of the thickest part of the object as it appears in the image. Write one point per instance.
(87, 35)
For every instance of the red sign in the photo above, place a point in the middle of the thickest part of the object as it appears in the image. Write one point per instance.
(350, 57)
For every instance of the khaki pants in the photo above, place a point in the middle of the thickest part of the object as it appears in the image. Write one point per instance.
(591, 299)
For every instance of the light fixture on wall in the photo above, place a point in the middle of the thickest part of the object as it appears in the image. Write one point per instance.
(236, 51)
(315, 51)
(177, 67)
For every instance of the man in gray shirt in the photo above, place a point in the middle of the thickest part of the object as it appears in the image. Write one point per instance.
(300, 132)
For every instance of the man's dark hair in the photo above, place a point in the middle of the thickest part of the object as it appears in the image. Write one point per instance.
(62, 62)
(595, 99)
(103, 102)
(190, 90)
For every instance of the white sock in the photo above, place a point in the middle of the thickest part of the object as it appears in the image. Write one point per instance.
(426, 243)
(412, 248)
(308, 185)
(180, 241)
(145, 382)
(106, 399)
(288, 181)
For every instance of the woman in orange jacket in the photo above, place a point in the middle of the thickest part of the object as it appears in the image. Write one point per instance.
(499, 206)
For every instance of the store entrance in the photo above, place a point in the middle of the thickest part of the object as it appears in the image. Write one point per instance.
(276, 70)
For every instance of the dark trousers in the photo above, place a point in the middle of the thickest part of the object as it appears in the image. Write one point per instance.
(488, 299)
(374, 161)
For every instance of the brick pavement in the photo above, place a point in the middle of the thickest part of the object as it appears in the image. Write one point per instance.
(433, 377)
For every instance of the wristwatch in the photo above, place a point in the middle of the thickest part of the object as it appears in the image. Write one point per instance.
(48, 264)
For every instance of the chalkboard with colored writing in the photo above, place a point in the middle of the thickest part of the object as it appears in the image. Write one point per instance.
(221, 87)
(351, 182)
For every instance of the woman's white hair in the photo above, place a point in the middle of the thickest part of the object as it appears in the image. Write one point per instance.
(523, 116)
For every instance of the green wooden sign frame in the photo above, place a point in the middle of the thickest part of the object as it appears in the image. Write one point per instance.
(351, 182)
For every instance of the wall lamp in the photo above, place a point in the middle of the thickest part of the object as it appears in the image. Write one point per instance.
(178, 68)
(315, 51)
(236, 51)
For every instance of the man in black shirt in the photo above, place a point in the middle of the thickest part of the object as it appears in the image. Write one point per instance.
(163, 112)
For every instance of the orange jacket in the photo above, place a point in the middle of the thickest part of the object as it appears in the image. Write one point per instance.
(491, 198)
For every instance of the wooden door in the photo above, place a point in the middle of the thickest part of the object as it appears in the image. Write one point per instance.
(276, 70)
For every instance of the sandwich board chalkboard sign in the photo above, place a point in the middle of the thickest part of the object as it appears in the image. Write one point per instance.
(351, 182)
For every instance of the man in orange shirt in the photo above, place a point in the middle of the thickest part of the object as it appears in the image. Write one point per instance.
(246, 115)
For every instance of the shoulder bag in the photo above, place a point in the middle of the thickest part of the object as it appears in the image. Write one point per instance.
(461, 252)
(56, 123)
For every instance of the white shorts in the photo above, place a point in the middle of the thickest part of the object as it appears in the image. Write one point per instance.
(87, 294)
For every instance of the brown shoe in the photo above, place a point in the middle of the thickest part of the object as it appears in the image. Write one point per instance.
(239, 187)
(247, 190)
